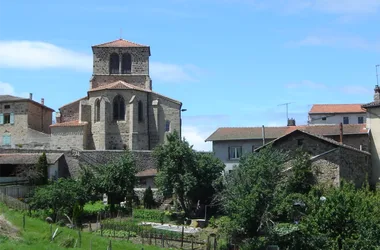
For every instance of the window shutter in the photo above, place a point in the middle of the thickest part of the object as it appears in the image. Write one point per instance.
(12, 118)
(1, 118)
(229, 153)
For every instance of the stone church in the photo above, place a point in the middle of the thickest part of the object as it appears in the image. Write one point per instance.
(120, 109)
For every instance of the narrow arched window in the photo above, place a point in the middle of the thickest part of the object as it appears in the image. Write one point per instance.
(167, 126)
(140, 111)
(114, 63)
(97, 110)
(126, 64)
(118, 108)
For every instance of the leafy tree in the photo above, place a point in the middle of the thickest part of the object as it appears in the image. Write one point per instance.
(251, 190)
(117, 179)
(42, 168)
(176, 169)
(191, 176)
(60, 196)
(148, 198)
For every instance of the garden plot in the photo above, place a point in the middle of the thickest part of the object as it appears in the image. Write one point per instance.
(173, 228)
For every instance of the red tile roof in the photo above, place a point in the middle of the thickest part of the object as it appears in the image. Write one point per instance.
(69, 124)
(336, 108)
(118, 85)
(147, 173)
(123, 85)
(251, 133)
(120, 43)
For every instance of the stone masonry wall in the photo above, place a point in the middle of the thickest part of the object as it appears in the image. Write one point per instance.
(144, 159)
(355, 166)
(141, 81)
(70, 112)
(19, 130)
(68, 137)
(139, 56)
(354, 140)
(39, 118)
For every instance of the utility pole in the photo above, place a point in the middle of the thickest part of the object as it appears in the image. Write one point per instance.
(287, 108)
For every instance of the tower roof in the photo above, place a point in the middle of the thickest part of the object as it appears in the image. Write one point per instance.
(120, 43)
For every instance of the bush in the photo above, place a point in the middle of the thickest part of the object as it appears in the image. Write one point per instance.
(93, 208)
(148, 215)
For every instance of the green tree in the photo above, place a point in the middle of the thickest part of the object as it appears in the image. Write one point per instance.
(191, 176)
(148, 198)
(117, 179)
(250, 192)
(176, 169)
(60, 196)
(42, 169)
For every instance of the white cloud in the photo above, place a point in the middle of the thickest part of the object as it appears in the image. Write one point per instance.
(197, 138)
(173, 73)
(8, 89)
(352, 89)
(38, 55)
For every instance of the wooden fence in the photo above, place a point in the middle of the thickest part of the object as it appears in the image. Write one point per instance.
(13, 203)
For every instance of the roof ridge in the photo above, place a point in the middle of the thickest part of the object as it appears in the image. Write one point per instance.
(120, 39)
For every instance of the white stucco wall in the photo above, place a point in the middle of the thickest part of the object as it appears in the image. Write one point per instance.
(336, 118)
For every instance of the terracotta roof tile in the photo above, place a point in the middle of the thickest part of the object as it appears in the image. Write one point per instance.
(69, 124)
(336, 108)
(147, 173)
(250, 133)
(118, 85)
(371, 105)
(120, 43)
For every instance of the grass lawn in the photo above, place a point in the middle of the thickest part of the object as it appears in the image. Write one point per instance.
(37, 236)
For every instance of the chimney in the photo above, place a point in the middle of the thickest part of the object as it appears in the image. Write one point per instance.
(291, 122)
(31, 96)
(263, 133)
(42, 101)
(376, 97)
(341, 132)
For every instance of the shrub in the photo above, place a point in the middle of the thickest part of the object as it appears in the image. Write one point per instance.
(93, 208)
(148, 215)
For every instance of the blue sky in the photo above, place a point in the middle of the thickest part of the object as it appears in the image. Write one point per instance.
(231, 62)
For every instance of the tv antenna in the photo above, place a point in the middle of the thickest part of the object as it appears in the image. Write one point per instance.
(287, 108)
(377, 75)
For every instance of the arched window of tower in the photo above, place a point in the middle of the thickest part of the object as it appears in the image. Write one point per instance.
(126, 64)
(97, 110)
(167, 126)
(114, 63)
(140, 111)
(118, 108)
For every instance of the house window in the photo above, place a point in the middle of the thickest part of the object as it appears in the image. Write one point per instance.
(118, 108)
(7, 106)
(235, 153)
(114, 63)
(300, 142)
(360, 119)
(324, 118)
(167, 126)
(126, 64)
(97, 110)
(140, 111)
(8, 118)
(346, 120)
(6, 140)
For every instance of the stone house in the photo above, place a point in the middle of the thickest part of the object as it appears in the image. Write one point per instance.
(229, 144)
(24, 122)
(331, 160)
(12, 164)
(336, 114)
(120, 110)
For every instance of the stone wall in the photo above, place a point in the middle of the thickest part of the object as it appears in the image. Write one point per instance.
(39, 117)
(349, 164)
(19, 130)
(139, 57)
(67, 137)
(142, 81)
(354, 140)
(70, 112)
(73, 159)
